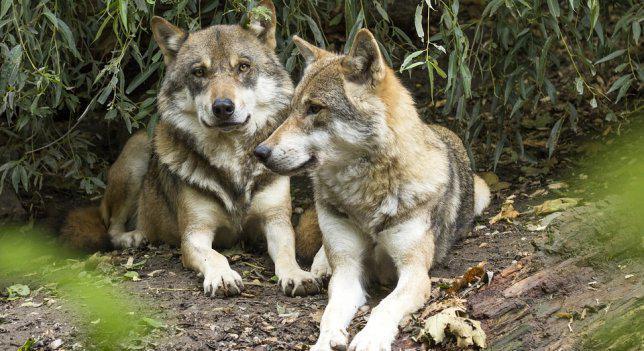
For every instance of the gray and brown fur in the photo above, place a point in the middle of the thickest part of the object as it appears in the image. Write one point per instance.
(392, 193)
(201, 184)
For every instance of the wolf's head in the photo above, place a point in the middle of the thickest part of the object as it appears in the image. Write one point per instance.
(221, 78)
(340, 110)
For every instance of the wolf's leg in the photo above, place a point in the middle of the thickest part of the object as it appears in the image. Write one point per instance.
(197, 253)
(273, 205)
(346, 247)
(199, 218)
(320, 267)
(124, 181)
(411, 249)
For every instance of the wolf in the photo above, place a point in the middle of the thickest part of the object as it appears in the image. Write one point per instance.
(391, 192)
(196, 182)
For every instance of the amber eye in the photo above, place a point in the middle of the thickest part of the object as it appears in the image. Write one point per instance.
(198, 71)
(243, 67)
(313, 109)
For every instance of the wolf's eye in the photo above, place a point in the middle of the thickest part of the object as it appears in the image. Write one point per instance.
(313, 109)
(243, 67)
(198, 71)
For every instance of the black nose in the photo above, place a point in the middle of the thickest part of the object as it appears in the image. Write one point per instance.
(262, 152)
(223, 108)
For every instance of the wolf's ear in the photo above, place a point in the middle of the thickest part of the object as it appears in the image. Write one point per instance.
(168, 36)
(310, 52)
(364, 62)
(264, 27)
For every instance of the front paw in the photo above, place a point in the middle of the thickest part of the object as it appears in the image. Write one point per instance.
(331, 340)
(372, 340)
(125, 240)
(321, 269)
(222, 282)
(296, 282)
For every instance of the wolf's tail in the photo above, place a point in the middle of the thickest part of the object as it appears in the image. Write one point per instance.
(481, 195)
(308, 237)
(84, 229)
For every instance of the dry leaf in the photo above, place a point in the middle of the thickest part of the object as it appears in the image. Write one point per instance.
(473, 274)
(453, 321)
(550, 206)
(507, 211)
(557, 185)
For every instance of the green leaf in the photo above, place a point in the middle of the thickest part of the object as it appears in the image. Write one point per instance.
(123, 13)
(65, 32)
(28, 345)
(554, 137)
(131, 275)
(611, 56)
(553, 6)
(142, 77)
(492, 7)
(10, 69)
(319, 38)
(498, 151)
(418, 21)
(381, 11)
(618, 83)
(637, 31)
(467, 79)
(4, 8)
(623, 90)
(18, 290)
(409, 58)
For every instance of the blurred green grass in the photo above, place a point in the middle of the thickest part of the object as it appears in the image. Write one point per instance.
(110, 318)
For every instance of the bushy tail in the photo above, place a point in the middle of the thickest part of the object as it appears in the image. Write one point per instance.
(481, 195)
(308, 237)
(85, 230)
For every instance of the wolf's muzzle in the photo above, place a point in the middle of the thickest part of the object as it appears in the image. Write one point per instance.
(223, 109)
(262, 152)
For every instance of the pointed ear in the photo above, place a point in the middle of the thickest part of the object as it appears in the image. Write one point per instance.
(263, 25)
(310, 52)
(168, 37)
(364, 62)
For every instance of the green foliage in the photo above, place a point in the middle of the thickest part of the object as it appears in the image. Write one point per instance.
(111, 319)
(73, 68)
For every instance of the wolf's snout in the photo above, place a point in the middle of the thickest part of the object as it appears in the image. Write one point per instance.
(223, 108)
(262, 152)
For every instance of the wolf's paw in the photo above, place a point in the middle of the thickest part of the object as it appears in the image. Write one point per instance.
(131, 239)
(296, 282)
(371, 340)
(222, 282)
(331, 340)
(321, 269)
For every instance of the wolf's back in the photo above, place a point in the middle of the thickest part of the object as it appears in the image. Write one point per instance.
(84, 229)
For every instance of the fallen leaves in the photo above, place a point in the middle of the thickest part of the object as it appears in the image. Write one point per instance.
(152, 323)
(556, 205)
(507, 211)
(131, 275)
(17, 291)
(472, 275)
(492, 181)
(453, 321)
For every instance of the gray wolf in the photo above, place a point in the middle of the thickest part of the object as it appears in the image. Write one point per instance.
(391, 192)
(196, 182)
